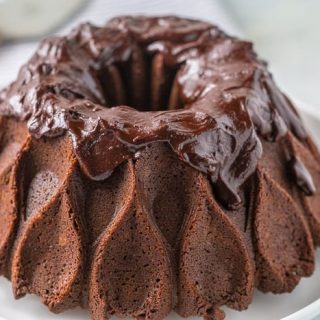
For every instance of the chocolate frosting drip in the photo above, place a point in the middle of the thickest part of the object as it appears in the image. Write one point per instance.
(226, 98)
(302, 176)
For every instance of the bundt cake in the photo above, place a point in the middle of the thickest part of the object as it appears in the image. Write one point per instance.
(152, 164)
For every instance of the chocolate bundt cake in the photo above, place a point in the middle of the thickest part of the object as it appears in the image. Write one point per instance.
(152, 164)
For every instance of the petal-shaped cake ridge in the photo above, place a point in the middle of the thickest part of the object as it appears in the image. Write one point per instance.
(274, 162)
(311, 204)
(50, 215)
(285, 251)
(14, 140)
(167, 189)
(277, 161)
(174, 98)
(110, 78)
(138, 79)
(103, 200)
(128, 278)
(162, 78)
(215, 265)
(158, 81)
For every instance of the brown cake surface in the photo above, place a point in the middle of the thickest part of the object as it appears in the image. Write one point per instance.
(152, 164)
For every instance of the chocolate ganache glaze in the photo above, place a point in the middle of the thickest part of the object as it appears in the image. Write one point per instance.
(216, 98)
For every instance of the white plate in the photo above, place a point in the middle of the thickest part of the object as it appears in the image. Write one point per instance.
(301, 304)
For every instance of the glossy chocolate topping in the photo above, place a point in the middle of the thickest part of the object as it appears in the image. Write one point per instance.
(302, 176)
(224, 97)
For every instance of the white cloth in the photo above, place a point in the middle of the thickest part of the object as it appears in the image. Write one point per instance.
(13, 55)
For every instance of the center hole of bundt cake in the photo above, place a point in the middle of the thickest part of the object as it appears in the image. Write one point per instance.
(144, 82)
